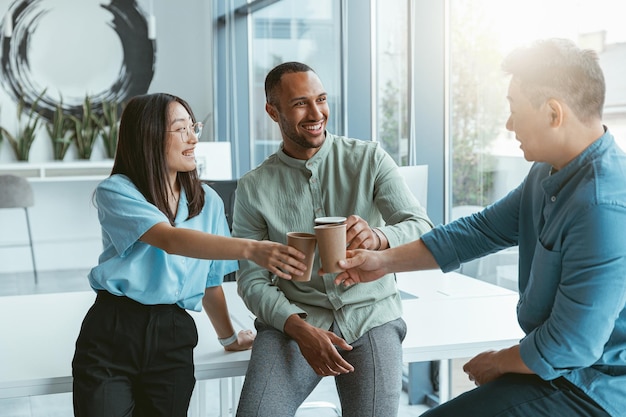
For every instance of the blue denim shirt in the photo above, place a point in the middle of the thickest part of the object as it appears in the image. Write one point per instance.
(571, 229)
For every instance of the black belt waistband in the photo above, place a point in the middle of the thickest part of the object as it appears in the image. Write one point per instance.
(105, 296)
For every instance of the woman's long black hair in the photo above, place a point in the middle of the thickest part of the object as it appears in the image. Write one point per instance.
(141, 149)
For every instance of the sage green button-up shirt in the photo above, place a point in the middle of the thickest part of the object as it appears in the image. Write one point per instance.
(346, 176)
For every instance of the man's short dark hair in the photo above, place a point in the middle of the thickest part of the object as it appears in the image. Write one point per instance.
(272, 80)
(557, 68)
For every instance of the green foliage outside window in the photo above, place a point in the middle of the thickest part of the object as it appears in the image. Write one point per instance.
(390, 123)
(477, 105)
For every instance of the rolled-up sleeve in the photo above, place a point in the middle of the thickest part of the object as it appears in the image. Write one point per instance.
(477, 235)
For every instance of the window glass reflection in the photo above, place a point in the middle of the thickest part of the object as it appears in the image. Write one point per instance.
(486, 161)
(293, 30)
(392, 78)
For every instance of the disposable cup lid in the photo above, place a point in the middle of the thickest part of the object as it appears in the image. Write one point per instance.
(330, 220)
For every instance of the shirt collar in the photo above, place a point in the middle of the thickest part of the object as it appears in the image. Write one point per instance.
(557, 179)
(320, 155)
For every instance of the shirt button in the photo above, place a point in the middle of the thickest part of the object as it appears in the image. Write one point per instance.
(553, 198)
(313, 180)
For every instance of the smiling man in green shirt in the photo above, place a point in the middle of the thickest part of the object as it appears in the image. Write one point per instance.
(307, 330)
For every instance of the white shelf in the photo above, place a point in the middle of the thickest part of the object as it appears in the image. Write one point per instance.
(59, 170)
(213, 159)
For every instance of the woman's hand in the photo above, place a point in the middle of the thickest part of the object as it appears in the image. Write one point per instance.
(281, 260)
(245, 339)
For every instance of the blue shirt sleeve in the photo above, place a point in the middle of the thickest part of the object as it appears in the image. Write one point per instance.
(493, 229)
(124, 213)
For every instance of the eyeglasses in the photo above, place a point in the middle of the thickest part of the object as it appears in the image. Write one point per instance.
(196, 128)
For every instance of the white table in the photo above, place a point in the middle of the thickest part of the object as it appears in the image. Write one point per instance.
(435, 284)
(459, 327)
(39, 332)
(455, 316)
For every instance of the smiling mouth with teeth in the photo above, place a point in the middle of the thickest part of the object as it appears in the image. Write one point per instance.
(314, 127)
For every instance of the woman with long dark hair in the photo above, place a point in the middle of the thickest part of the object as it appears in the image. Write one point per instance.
(166, 249)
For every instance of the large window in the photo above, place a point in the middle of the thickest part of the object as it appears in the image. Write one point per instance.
(425, 76)
(392, 78)
(293, 30)
(408, 78)
(485, 159)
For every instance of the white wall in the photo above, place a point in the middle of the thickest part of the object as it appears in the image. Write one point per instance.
(64, 226)
(75, 52)
(68, 59)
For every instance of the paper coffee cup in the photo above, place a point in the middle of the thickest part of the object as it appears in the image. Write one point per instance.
(305, 243)
(331, 242)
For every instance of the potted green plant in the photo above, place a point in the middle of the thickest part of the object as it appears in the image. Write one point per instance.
(86, 129)
(27, 124)
(61, 132)
(109, 125)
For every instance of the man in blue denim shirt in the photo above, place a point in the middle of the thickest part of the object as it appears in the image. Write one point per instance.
(568, 217)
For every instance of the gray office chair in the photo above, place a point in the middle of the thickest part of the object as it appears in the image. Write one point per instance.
(16, 192)
(226, 190)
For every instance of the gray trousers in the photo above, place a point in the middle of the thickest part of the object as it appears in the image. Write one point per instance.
(279, 379)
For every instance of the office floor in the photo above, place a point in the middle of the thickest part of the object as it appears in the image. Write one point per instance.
(60, 405)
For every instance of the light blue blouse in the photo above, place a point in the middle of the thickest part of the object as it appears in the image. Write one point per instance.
(571, 229)
(146, 273)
